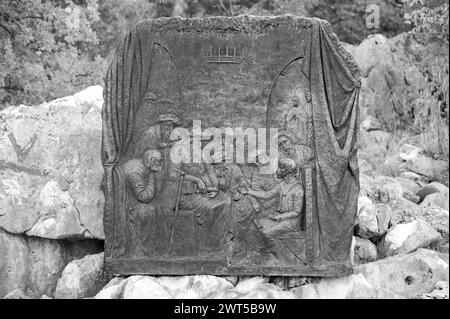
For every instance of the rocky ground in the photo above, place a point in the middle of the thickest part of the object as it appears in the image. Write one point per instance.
(51, 233)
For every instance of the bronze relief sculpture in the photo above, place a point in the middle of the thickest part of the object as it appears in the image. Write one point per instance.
(226, 196)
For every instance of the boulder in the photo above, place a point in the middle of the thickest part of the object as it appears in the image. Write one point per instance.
(412, 176)
(440, 199)
(144, 287)
(113, 290)
(382, 189)
(82, 278)
(50, 167)
(349, 287)
(371, 123)
(178, 287)
(366, 223)
(408, 184)
(390, 82)
(13, 263)
(375, 142)
(388, 189)
(440, 291)
(406, 238)
(411, 197)
(34, 264)
(254, 288)
(438, 218)
(16, 294)
(364, 251)
(292, 281)
(372, 220)
(193, 287)
(409, 152)
(431, 188)
(404, 211)
(408, 275)
(58, 216)
(427, 166)
(366, 166)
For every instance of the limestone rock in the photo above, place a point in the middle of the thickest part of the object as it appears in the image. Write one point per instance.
(16, 294)
(438, 218)
(431, 188)
(47, 259)
(408, 184)
(411, 197)
(376, 141)
(372, 221)
(388, 189)
(371, 123)
(34, 264)
(366, 223)
(440, 199)
(232, 279)
(404, 211)
(350, 287)
(409, 152)
(292, 281)
(13, 263)
(364, 251)
(50, 167)
(58, 215)
(412, 176)
(440, 291)
(179, 287)
(427, 166)
(385, 64)
(113, 290)
(409, 275)
(193, 287)
(144, 287)
(366, 166)
(18, 211)
(381, 188)
(406, 238)
(82, 278)
(254, 288)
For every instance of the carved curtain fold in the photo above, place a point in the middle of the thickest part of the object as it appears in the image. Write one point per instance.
(335, 89)
(126, 82)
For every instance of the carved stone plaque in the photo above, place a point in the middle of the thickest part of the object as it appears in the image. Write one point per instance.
(229, 147)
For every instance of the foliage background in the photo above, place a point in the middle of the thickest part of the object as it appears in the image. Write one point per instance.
(54, 48)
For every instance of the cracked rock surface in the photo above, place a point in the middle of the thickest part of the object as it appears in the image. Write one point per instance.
(50, 168)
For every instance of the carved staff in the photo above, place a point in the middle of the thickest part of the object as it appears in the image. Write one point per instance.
(177, 204)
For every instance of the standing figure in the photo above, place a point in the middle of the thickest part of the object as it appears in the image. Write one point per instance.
(158, 137)
(144, 224)
(298, 125)
(243, 208)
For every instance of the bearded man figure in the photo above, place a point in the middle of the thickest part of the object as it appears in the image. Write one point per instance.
(146, 228)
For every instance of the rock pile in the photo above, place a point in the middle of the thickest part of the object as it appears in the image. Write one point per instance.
(51, 233)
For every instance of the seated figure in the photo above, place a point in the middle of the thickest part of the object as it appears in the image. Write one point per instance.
(142, 216)
(289, 194)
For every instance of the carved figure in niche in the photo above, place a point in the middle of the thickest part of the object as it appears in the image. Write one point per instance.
(298, 125)
(142, 217)
(289, 194)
